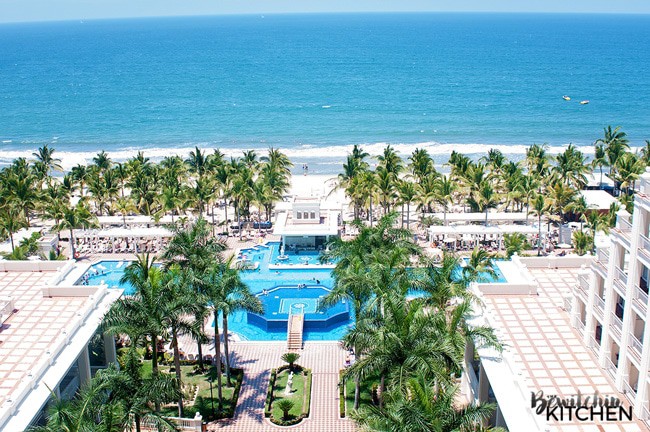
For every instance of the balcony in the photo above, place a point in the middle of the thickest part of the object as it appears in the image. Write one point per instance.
(617, 326)
(644, 248)
(600, 268)
(603, 256)
(642, 200)
(599, 308)
(581, 327)
(621, 275)
(629, 392)
(640, 300)
(594, 345)
(610, 367)
(622, 232)
(582, 289)
(636, 347)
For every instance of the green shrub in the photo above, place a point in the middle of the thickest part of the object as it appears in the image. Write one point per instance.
(269, 393)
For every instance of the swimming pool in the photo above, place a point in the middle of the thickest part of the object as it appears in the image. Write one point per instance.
(109, 273)
(270, 253)
(278, 290)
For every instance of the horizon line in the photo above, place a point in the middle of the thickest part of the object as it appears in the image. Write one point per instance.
(263, 14)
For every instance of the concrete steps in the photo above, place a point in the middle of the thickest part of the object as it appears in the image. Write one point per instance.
(294, 332)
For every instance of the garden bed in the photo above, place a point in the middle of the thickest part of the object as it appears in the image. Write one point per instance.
(367, 388)
(197, 393)
(300, 395)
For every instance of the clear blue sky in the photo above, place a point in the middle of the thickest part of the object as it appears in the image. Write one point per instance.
(46, 10)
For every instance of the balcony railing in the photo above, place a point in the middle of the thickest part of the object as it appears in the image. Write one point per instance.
(644, 247)
(636, 347)
(624, 225)
(641, 298)
(621, 276)
(600, 306)
(610, 367)
(583, 282)
(630, 393)
(617, 325)
(603, 256)
(594, 345)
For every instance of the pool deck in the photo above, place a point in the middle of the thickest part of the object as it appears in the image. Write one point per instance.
(537, 330)
(325, 359)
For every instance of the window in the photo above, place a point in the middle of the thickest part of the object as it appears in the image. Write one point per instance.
(313, 215)
(306, 215)
(298, 215)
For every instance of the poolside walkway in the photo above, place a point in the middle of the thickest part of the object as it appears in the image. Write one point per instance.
(325, 359)
(550, 352)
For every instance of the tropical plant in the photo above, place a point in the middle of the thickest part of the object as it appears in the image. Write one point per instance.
(291, 358)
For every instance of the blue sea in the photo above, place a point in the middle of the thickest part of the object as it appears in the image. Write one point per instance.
(314, 85)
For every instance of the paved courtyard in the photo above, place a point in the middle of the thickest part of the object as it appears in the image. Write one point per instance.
(325, 359)
(550, 352)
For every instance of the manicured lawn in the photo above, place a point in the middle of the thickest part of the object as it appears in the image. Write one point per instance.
(203, 403)
(300, 395)
(365, 396)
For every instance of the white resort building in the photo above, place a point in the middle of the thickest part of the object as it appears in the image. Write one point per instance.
(46, 328)
(611, 303)
(306, 223)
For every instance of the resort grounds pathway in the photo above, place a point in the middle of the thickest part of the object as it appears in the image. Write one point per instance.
(325, 359)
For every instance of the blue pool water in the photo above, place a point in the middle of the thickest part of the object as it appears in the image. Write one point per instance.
(108, 272)
(281, 291)
(270, 254)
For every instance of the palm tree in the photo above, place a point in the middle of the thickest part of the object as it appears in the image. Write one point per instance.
(11, 220)
(46, 162)
(125, 206)
(479, 263)
(444, 193)
(285, 405)
(181, 305)
(74, 218)
(514, 243)
(194, 248)
(420, 406)
(407, 194)
(600, 160)
(290, 358)
(645, 153)
(616, 144)
(540, 208)
(484, 198)
(227, 294)
(351, 283)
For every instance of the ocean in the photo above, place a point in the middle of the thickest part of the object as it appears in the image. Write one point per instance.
(313, 85)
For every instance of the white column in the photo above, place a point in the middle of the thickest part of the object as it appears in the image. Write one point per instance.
(83, 363)
(623, 373)
(616, 253)
(109, 349)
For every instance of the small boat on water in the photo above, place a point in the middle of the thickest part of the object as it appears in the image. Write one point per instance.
(566, 98)
(584, 102)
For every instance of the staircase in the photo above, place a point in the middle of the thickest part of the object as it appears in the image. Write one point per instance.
(294, 332)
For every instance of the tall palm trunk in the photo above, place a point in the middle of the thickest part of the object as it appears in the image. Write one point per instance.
(408, 215)
(371, 214)
(539, 236)
(154, 362)
(217, 355)
(177, 366)
(137, 423)
(239, 222)
(11, 237)
(225, 212)
(71, 244)
(226, 351)
(213, 223)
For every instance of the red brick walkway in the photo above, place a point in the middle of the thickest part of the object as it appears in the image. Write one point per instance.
(324, 359)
